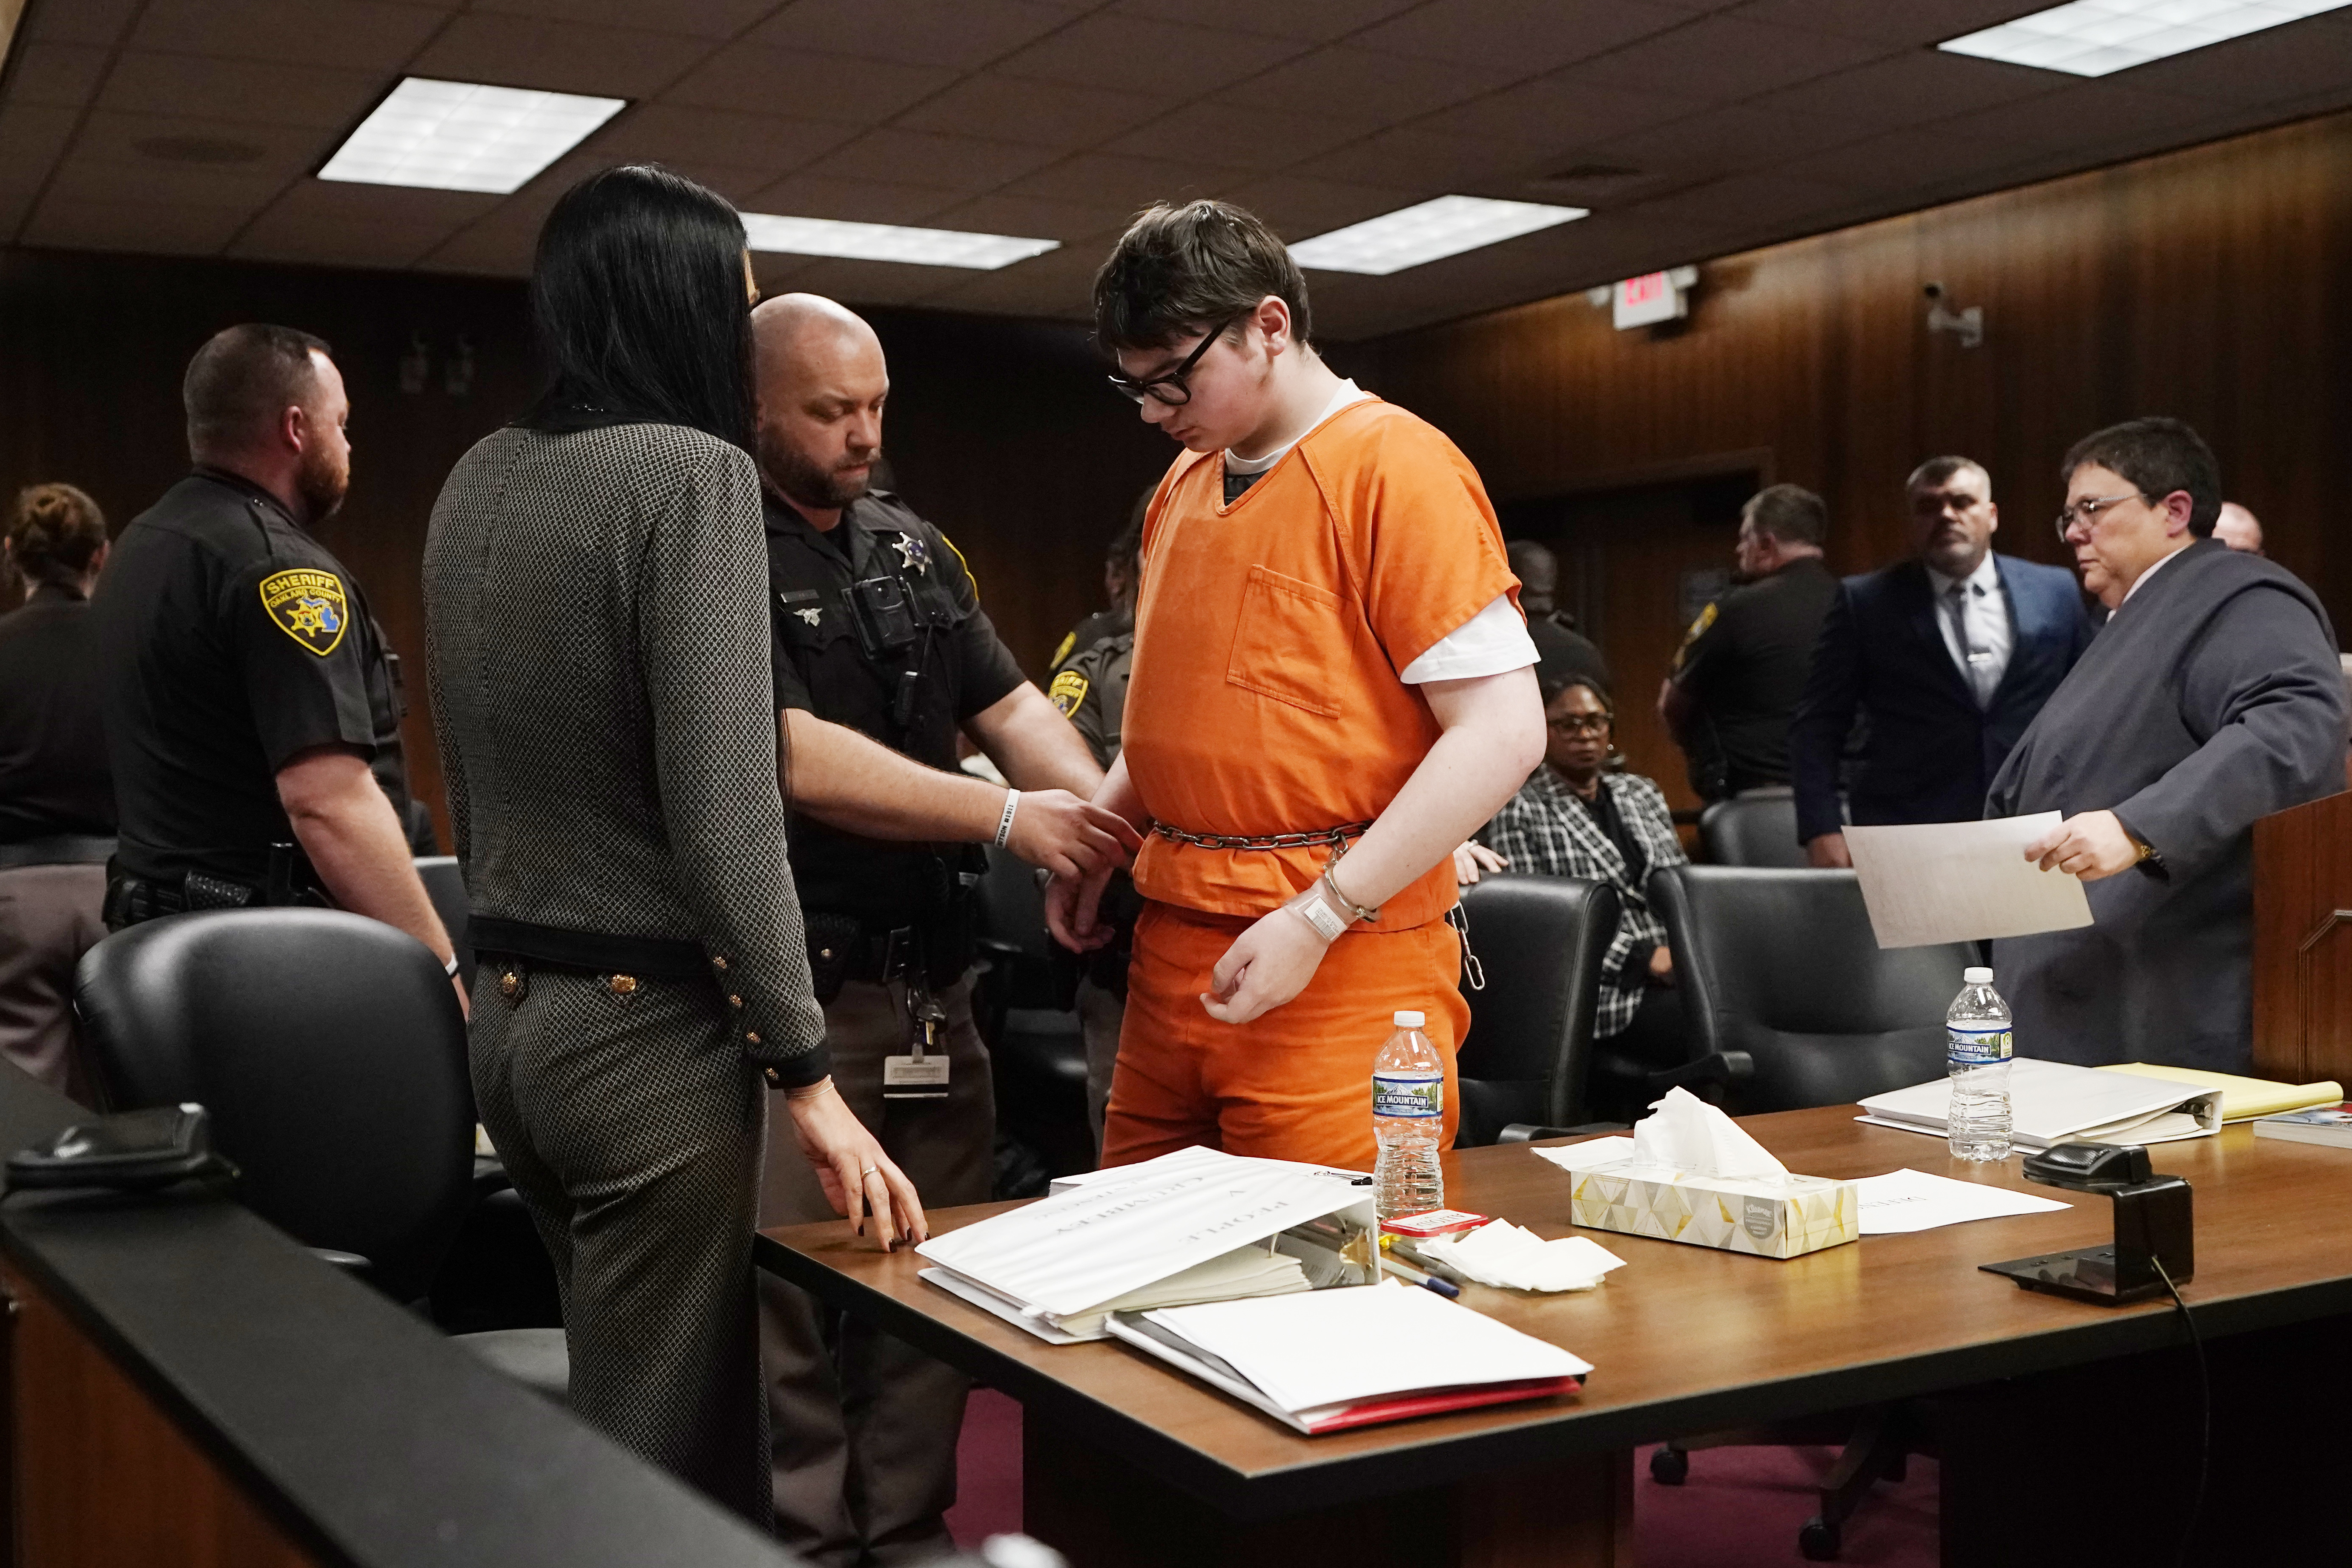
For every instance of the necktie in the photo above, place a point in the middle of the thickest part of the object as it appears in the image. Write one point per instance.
(1976, 663)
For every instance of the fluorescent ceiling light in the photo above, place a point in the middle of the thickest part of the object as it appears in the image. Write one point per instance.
(2093, 37)
(464, 136)
(889, 242)
(1410, 236)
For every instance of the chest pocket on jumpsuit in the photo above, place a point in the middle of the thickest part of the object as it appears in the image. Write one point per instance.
(1291, 642)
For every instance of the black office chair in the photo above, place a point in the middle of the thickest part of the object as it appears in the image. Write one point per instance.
(1024, 1007)
(1538, 941)
(1789, 999)
(331, 1055)
(1754, 827)
(1791, 1002)
(446, 886)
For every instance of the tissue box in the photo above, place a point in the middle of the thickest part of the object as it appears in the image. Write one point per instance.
(1772, 1217)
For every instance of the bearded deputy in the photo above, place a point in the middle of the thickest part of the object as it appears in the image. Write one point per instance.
(247, 691)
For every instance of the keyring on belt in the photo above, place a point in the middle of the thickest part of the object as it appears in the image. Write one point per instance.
(1336, 837)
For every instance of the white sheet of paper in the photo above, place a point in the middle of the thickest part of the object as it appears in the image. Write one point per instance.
(1910, 1200)
(1930, 882)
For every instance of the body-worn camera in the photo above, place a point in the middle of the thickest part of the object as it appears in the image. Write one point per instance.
(885, 617)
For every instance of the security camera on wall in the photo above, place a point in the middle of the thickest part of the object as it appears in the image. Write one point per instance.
(1967, 324)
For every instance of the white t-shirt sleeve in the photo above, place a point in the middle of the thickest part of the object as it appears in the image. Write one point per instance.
(1491, 642)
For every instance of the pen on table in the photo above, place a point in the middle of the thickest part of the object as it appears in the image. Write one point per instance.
(1409, 1253)
(1412, 1276)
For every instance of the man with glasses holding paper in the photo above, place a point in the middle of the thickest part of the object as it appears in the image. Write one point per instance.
(1328, 663)
(2211, 699)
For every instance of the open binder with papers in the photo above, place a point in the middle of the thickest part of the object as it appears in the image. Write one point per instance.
(1192, 1226)
(1335, 1359)
(2056, 1103)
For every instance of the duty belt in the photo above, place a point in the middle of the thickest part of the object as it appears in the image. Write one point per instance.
(1336, 837)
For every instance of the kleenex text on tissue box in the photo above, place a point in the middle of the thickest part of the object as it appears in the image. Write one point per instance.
(1696, 1175)
(1772, 1217)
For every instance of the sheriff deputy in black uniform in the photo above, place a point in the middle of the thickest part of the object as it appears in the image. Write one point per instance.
(1089, 686)
(882, 655)
(1742, 665)
(247, 691)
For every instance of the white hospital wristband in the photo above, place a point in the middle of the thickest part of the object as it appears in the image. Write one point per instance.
(1004, 823)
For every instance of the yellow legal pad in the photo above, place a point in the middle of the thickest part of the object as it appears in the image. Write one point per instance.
(2242, 1099)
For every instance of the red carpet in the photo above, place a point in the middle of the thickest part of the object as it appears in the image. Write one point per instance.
(1740, 1506)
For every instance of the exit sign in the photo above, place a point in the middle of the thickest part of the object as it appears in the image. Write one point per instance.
(1648, 300)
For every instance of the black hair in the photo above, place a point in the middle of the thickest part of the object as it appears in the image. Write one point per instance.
(2159, 456)
(1551, 689)
(638, 307)
(243, 379)
(1178, 269)
(1789, 514)
(54, 532)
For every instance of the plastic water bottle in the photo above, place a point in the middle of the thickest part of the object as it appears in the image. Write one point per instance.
(1408, 1120)
(1977, 1053)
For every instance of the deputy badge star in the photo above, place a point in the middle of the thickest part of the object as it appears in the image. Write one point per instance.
(913, 553)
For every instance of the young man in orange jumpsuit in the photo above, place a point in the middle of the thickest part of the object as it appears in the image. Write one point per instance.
(1328, 652)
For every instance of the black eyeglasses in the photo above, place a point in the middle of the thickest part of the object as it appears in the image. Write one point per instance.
(1170, 386)
(1579, 724)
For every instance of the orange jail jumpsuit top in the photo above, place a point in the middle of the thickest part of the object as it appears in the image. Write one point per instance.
(1265, 698)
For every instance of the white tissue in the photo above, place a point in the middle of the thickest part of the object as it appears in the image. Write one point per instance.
(1693, 1136)
(1501, 1253)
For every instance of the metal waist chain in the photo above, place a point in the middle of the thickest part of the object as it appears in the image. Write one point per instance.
(1336, 837)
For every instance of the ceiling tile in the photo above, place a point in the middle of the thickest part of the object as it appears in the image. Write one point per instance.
(317, 97)
(1034, 217)
(1359, 87)
(1558, 112)
(485, 253)
(64, 74)
(960, 35)
(357, 226)
(1059, 284)
(2070, 117)
(1913, 87)
(558, 56)
(1297, 208)
(345, 34)
(1908, 22)
(1540, 34)
(917, 158)
(1313, 21)
(1125, 184)
(1904, 160)
(82, 178)
(81, 21)
(698, 18)
(1164, 59)
(758, 144)
(1235, 136)
(162, 140)
(2311, 56)
(1746, 198)
(1723, 140)
(806, 85)
(154, 229)
(1048, 114)
(871, 282)
(1719, 59)
(33, 135)
(859, 201)
(1412, 158)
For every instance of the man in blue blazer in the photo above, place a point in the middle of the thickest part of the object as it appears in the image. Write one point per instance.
(1945, 657)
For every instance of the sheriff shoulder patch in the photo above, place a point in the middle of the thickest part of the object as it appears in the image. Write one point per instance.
(1069, 689)
(1697, 629)
(308, 605)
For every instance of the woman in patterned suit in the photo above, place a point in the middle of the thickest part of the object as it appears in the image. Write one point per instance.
(596, 588)
(1573, 818)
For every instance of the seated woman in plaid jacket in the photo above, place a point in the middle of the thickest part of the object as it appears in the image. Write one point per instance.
(1573, 819)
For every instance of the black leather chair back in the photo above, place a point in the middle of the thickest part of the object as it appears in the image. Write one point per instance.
(1539, 941)
(1782, 965)
(446, 886)
(330, 1050)
(1757, 828)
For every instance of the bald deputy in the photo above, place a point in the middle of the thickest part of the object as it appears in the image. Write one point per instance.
(882, 656)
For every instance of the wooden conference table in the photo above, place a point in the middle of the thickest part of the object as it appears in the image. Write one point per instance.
(2063, 1427)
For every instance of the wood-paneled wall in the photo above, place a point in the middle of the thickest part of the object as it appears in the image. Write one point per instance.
(2213, 283)
(1000, 431)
